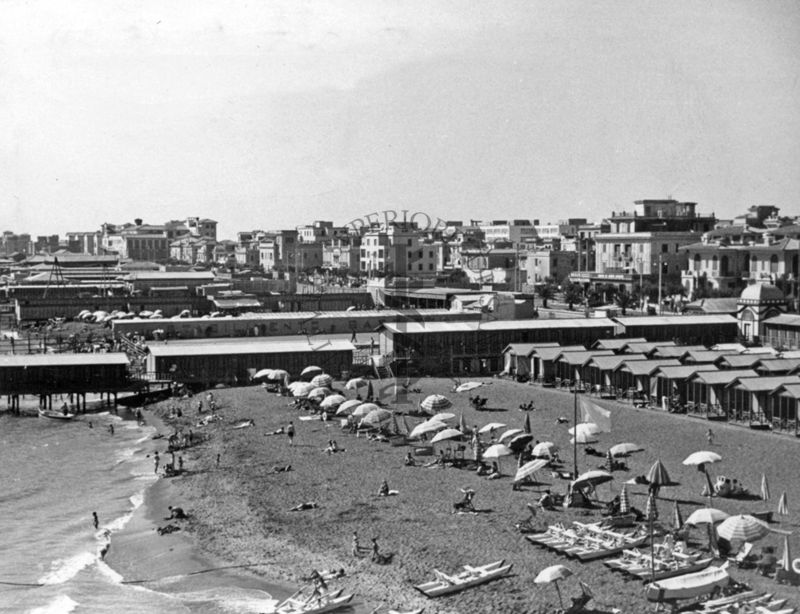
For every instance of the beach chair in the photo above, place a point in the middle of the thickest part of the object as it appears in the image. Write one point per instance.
(741, 559)
(579, 602)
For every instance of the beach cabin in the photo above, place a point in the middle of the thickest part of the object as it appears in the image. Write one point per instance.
(739, 361)
(748, 398)
(678, 352)
(706, 389)
(778, 366)
(230, 361)
(783, 403)
(517, 358)
(782, 331)
(570, 366)
(670, 382)
(700, 329)
(645, 347)
(699, 357)
(617, 344)
(636, 375)
(600, 372)
(544, 362)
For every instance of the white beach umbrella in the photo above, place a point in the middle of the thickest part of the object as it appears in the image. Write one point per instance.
(332, 401)
(544, 448)
(623, 449)
(443, 417)
(706, 515)
(509, 433)
(363, 409)
(311, 371)
(530, 468)
(429, 426)
(263, 374)
(593, 478)
(316, 393)
(498, 450)
(553, 574)
(300, 389)
(589, 428)
(467, 386)
(583, 437)
(446, 434)
(492, 426)
(377, 416)
(703, 457)
(323, 380)
(355, 383)
(347, 407)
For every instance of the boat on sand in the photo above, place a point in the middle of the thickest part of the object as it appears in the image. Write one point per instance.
(55, 415)
(688, 586)
(327, 602)
(471, 576)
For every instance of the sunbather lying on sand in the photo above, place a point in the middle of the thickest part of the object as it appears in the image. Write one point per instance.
(281, 468)
(309, 505)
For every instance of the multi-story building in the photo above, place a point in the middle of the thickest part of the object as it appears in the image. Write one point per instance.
(548, 264)
(342, 254)
(277, 252)
(402, 250)
(513, 231)
(48, 243)
(139, 241)
(645, 244)
(193, 250)
(83, 242)
(11, 243)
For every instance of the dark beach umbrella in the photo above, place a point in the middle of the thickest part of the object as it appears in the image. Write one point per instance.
(658, 476)
(527, 426)
(518, 443)
(677, 517)
(370, 391)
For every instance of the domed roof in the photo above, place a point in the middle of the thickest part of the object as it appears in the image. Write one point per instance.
(762, 293)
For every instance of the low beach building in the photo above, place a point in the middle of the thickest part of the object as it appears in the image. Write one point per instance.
(701, 329)
(601, 371)
(517, 358)
(707, 388)
(572, 365)
(617, 345)
(747, 398)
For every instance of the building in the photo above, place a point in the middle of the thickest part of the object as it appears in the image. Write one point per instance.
(342, 254)
(83, 242)
(758, 303)
(546, 265)
(401, 250)
(11, 243)
(510, 231)
(645, 244)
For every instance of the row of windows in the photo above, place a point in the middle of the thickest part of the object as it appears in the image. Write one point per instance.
(420, 267)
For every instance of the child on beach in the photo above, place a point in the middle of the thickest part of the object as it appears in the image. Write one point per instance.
(290, 433)
(710, 437)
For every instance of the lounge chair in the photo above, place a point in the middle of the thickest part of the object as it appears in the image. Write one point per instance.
(742, 558)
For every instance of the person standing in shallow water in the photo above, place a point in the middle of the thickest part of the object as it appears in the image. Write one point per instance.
(157, 460)
(95, 520)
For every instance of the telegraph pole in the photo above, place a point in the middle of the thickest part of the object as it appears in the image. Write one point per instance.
(660, 269)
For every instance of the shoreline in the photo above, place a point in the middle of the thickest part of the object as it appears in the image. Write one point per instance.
(175, 562)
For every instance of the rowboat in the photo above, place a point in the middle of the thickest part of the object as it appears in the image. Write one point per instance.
(688, 586)
(55, 415)
(327, 602)
(471, 576)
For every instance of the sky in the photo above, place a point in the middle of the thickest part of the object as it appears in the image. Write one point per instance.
(267, 115)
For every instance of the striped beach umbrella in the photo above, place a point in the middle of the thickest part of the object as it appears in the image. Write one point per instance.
(323, 380)
(311, 371)
(742, 527)
(346, 408)
(651, 511)
(300, 389)
(376, 417)
(363, 409)
(429, 426)
(783, 507)
(658, 476)
(764, 487)
(435, 403)
(332, 401)
(677, 517)
(624, 502)
(509, 434)
(462, 423)
(318, 393)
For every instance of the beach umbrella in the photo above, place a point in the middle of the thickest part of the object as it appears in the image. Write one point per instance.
(742, 527)
(446, 434)
(429, 426)
(764, 487)
(592, 478)
(300, 389)
(467, 386)
(377, 416)
(589, 428)
(701, 460)
(677, 518)
(492, 426)
(323, 380)
(786, 558)
(623, 449)
(509, 433)
(624, 502)
(356, 383)
(496, 451)
(651, 511)
(278, 374)
(435, 403)
(370, 391)
(316, 393)
(527, 424)
(658, 476)
(706, 515)
(332, 401)
(262, 374)
(545, 448)
(347, 407)
(363, 409)
(783, 507)
(553, 574)
(443, 417)
(530, 468)
(462, 424)
(583, 438)
(311, 371)
(518, 442)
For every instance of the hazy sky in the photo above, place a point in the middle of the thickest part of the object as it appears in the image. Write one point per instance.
(275, 113)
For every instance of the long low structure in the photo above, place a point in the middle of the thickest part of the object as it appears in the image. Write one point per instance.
(233, 361)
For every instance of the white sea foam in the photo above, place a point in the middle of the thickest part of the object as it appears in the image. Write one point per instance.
(62, 604)
(62, 570)
(109, 572)
(232, 599)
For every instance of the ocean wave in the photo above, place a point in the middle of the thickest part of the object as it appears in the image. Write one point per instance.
(232, 599)
(65, 569)
(62, 604)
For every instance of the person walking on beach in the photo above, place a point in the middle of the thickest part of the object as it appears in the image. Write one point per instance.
(355, 548)
(217, 460)
(157, 460)
(710, 437)
(95, 520)
(376, 554)
(180, 464)
(290, 433)
(111, 429)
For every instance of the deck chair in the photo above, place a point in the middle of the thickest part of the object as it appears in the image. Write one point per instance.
(580, 601)
(742, 557)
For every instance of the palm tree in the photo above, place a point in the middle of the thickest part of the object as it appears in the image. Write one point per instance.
(546, 291)
(573, 293)
(624, 300)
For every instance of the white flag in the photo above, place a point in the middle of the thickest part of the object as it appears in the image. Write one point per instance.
(596, 414)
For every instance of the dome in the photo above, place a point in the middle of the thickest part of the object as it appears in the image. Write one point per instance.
(761, 293)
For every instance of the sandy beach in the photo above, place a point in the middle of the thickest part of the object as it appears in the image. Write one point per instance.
(240, 508)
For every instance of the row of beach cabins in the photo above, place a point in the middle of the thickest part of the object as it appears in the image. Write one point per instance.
(759, 387)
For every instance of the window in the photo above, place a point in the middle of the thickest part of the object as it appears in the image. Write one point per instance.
(409, 242)
(410, 255)
(773, 264)
(430, 266)
(410, 266)
(419, 266)
(430, 254)
(664, 248)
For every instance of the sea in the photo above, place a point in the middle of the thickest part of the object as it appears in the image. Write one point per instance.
(53, 475)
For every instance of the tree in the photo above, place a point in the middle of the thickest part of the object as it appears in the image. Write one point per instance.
(609, 291)
(624, 300)
(573, 293)
(546, 291)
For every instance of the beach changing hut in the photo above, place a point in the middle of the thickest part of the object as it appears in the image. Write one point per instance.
(739, 361)
(517, 358)
(544, 361)
(778, 366)
(635, 375)
(571, 365)
(700, 329)
(647, 348)
(699, 357)
(748, 398)
(617, 344)
(706, 389)
(783, 403)
(675, 351)
(670, 381)
(600, 371)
